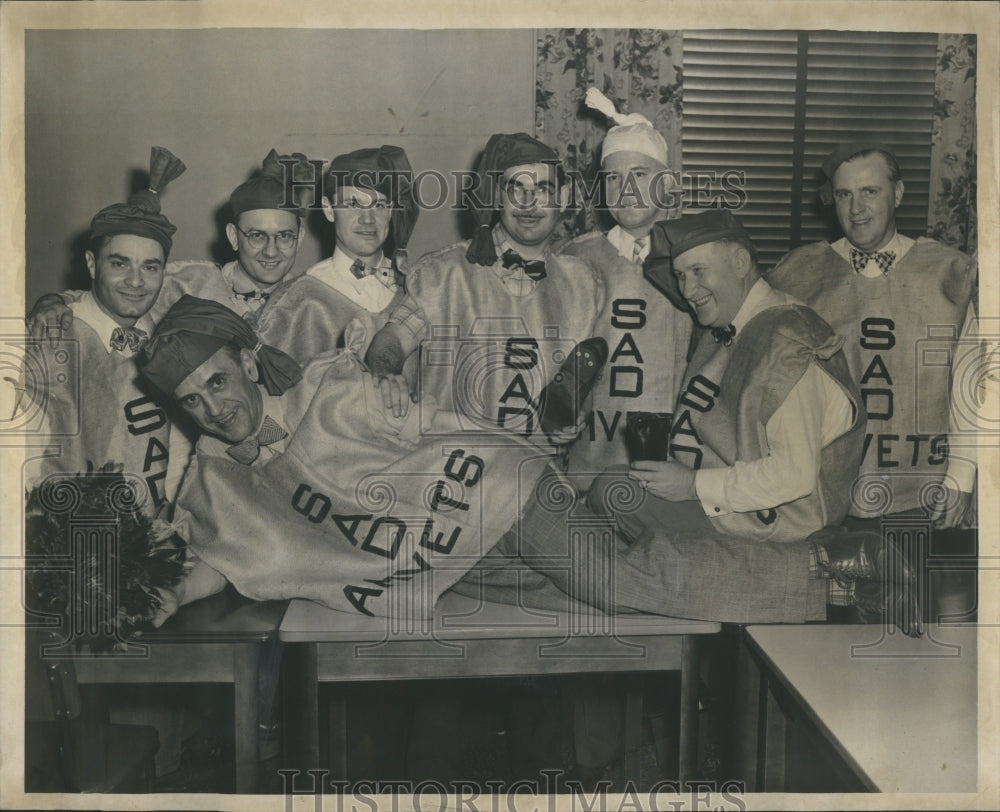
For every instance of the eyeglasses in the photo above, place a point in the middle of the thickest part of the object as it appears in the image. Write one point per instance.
(258, 239)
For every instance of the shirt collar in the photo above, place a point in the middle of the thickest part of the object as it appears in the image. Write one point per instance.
(624, 243)
(899, 244)
(370, 293)
(751, 304)
(89, 311)
(241, 282)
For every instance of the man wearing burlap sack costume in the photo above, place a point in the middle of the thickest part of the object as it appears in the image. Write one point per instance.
(358, 512)
(369, 200)
(96, 408)
(901, 305)
(498, 316)
(737, 526)
(264, 231)
(648, 335)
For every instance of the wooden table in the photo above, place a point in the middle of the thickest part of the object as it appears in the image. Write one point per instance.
(469, 638)
(225, 638)
(899, 713)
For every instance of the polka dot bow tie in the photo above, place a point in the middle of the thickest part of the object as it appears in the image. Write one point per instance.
(884, 259)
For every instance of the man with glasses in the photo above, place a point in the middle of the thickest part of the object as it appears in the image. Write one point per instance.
(264, 232)
(368, 198)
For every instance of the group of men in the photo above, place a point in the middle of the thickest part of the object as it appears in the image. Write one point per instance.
(743, 414)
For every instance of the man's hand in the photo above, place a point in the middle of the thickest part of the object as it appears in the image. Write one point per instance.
(569, 433)
(949, 508)
(50, 318)
(395, 394)
(667, 480)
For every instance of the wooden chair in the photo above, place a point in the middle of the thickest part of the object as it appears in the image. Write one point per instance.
(69, 744)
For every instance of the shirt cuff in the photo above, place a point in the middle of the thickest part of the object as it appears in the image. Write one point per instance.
(961, 473)
(710, 485)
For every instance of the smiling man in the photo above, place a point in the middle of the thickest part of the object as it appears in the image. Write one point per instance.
(264, 232)
(497, 314)
(901, 304)
(369, 201)
(95, 407)
(769, 423)
(648, 335)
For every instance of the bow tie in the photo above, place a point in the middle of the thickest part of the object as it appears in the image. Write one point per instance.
(533, 269)
(255, 299)
(131, 337)
(884, 259)
(246, 451)
(724, 335)
(360, 270)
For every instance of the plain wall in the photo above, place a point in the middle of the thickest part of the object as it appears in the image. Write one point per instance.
(96, 101)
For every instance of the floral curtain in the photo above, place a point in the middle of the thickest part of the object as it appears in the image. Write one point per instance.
(951, 216)
(639, 69)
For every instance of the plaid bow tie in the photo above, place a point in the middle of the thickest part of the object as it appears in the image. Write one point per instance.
(131, 337)
(883, 259)
(724, 335)
(246, 451)
(534, 269)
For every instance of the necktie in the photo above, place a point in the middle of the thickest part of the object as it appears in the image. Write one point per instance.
(533, 269)
(883, 259)
(724, 335)
(637, 247)
(131, 337)
(246, 451)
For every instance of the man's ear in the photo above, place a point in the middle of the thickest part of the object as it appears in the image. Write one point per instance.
(328, 211)
(898, 193)
(564, 195)
(741, 260)
(231, 236)
(91, 261)
(249, 363)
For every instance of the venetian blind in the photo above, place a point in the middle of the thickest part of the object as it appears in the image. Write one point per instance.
(773, 104)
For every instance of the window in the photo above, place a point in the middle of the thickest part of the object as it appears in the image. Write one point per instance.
(773, 104)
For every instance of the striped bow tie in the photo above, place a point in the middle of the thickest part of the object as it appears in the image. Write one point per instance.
(533, 269)
(884, 259)
(131, 337)
(246, 451)
(724, 335)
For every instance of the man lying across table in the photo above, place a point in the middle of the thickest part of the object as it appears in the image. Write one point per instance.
(363, 514)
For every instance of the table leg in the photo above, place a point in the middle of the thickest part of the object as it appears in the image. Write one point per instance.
(689, 711)
(337, 731)
(771, 733)
(301, 705)
(633, 731)
(246, 662)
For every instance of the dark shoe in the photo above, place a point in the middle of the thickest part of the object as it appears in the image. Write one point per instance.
(862, 556)
(564, 395)
(878, 602)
